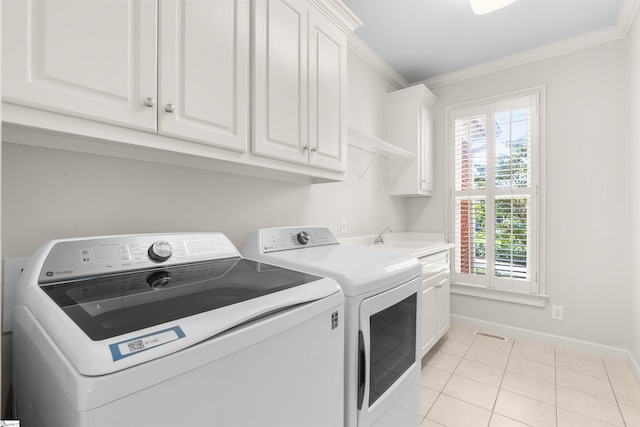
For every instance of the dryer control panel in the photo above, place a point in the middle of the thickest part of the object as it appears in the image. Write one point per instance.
(75, 259)
(288, 238)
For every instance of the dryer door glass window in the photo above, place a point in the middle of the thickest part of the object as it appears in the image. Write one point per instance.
(393, 345)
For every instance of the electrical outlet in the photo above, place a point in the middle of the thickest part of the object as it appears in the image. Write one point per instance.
(556, 312)
(343, 226)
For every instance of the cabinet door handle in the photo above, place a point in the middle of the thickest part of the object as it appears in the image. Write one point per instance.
(314, 149)
(170, 108)
(306, 147)
(150, 102)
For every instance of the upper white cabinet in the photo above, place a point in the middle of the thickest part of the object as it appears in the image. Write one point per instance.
(93, 59)
(203, 72)
(99, 60)
(410, 125)
(300, 78)
(175, 76)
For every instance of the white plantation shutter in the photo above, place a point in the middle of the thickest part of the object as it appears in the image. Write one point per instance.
(494, 194)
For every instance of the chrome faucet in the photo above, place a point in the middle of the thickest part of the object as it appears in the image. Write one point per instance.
(378, 240)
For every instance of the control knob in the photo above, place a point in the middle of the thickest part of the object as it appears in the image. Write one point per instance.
(303, 237)
(160, 251)
(159, 280)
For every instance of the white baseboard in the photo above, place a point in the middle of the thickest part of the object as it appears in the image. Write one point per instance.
(575, 344)
(633, 363)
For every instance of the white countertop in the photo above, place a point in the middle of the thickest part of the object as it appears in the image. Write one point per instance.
(405, 243)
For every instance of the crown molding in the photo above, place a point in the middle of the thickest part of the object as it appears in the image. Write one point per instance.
(554, 49)
(337, 12)
(625, 20)
(361, 49)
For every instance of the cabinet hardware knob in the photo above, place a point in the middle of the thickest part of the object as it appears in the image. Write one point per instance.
(150, 102)
(170, 108)
(306, 147)
(314, 149)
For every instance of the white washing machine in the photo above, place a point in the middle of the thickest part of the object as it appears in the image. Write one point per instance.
(176, 329)
(382, 318)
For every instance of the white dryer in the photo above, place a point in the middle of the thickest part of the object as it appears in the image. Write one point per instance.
(382, 309)
(175, 329)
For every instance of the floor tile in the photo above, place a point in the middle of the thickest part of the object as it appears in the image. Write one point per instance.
(451, 347)
(471, 391)
(525, 410)
(434, 378)
(588, 367)
(456, 413)
(430, 423)
(571, 419)
(530, 387)
(427, 399)
(444, 361)
(540, 355)
(461, 334)
(536, 344)
(578, 354)
(591, 406)
(498, 420)
(586, 383)
(631, 415)
(615, 364)
(629, 395)
(488, 357)
(622, 376)
(493, 344)
(480, 372)
(532, 369)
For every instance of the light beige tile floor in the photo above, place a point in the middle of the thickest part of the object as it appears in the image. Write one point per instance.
(470, 381)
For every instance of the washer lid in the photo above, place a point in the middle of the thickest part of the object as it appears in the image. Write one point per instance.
(114, 305)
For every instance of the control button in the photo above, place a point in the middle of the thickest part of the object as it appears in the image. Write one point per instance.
(303, 237)
(160, 251)
(159, 280)
(85, 255)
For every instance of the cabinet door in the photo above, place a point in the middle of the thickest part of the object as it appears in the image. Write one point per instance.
(280, 80)
(443, 310)
(428, 317)
(204, 71)
(327, 93)
(426, 150)
(94, 59)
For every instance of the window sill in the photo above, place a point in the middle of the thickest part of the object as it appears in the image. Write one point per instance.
(535, 300)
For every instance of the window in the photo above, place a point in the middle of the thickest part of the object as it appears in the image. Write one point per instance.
(495, 193)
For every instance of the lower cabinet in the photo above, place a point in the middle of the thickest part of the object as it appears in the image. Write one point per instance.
(436, 283)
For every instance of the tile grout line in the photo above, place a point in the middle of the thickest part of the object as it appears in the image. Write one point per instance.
(615, 395)
(504, 372)
(449, 379)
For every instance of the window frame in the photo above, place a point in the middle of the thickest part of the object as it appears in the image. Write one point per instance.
(536, 294)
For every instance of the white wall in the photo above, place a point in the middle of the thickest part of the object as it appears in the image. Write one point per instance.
(587, 171)
(634, 92)
(54, 194)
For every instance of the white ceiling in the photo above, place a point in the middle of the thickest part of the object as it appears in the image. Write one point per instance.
(422, 39)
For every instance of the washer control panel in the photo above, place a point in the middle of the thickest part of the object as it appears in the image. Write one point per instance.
(288, 238)
(75, 259)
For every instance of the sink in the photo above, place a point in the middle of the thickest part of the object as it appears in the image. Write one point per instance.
(400, 244)
(404, 243)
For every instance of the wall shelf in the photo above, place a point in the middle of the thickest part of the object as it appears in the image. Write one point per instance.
(398, 158)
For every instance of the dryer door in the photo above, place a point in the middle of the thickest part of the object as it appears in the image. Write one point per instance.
(389, 361)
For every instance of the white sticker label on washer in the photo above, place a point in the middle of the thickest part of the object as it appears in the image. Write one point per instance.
(145, 342)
